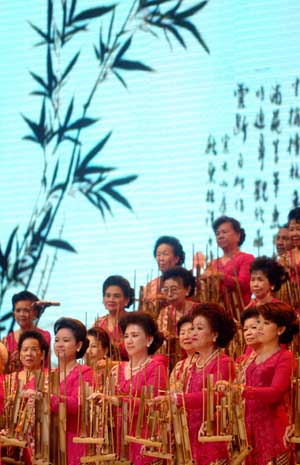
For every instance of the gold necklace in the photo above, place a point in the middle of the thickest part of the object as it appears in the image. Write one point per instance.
(140, 366)
(203, 364)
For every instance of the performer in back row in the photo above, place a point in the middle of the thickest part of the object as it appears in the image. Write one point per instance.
(232, 270)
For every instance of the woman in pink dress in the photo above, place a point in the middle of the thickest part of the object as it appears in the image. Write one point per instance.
(33, 350)
(142, 340)
(267, 387)
(185, 333)
(26, 312)
(117, 296)
(266, 278)
(70, 345)
(213, 329)
(233, 268)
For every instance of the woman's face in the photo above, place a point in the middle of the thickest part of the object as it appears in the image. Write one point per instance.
(31, 355)
(174, 291)
(165, 257)
(294, 233)
(185, 337)
(202, 336)
(250, 329)
(94, 351)
(136, 341)
(226, 236)
(114, 299)
(268, 331)
(24, 313)
(65, 345)
(260, 285)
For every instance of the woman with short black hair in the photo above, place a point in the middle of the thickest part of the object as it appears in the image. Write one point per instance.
(70, 344)
(268, 381)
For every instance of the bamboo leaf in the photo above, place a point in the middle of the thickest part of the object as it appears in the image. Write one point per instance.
(123, 49)
(98, 169)
(35, 129)
(97, 53)
(39, 79)
(49, 16)
(192, 28)
(60, 244)
(92, 13)
(3, 262)
(45, 222)
(52, 81)
(82, 123)
(120, 78)
(121, 181)
(192, 11)
(69, 113)
(132, 65)
(6, 317)
(118, 197)
(10, 243)
(47, 39)
(91, 154)
(70, 66)
(111, 27)
(54, 176)
(72, 11)
(176, 34)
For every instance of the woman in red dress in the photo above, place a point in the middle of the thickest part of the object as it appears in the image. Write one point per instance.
(232, 269)
(267, 388)
(70, 345)
(26, 312)
(142, 339)
(213, 329)
(266, 278)
(117, 296)
(185, 333)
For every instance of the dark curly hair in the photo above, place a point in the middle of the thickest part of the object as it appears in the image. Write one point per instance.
(281, 314)
(27, 295)
(274, 272)
(34, 334)
(250, 312)
(219, 321)
(149, 326)
(175, 244)
(79, 332)
(122, 283)
(236, 226)
(180, 274)
(182, 321)
(294, 214)
(102, 336)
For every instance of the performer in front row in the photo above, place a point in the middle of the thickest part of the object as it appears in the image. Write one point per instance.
(268, 381)
(70, 345)
(142, 340)
(212, 330)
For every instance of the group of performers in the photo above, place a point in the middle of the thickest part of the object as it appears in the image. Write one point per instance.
(205, 372)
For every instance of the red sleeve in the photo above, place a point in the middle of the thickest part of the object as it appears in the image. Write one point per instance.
(242, 272)
(280, 383)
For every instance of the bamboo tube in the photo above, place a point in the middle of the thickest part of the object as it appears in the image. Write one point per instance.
(210, 405)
